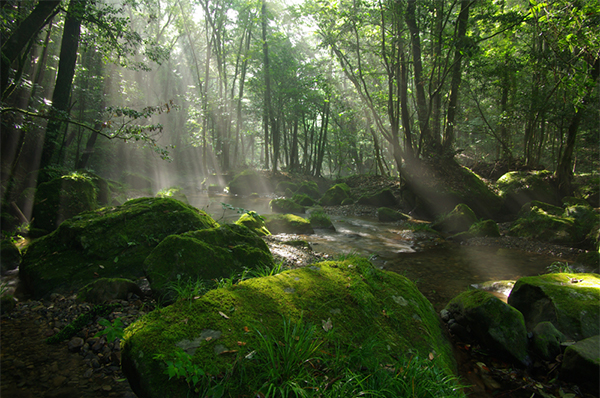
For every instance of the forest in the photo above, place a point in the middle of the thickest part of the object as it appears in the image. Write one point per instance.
(178, 90)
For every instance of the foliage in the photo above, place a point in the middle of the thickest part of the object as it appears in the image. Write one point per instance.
(82, 320)
(559, 267)
(112, 331)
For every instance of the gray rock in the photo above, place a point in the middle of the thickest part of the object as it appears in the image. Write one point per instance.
(107, 289)
(75, 344)
(546, 340)
(581, 363)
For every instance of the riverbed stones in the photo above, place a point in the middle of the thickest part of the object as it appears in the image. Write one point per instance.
(109, 242)
(485, 318)
(349, 301)
(570, 301)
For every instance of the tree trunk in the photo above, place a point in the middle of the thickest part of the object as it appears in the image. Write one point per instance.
(267, 74)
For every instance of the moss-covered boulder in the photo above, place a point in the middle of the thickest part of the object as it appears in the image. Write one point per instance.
(303, 200)
(570, 226)
(62, 198)
(106, 289)
(109, 242)
(286, 206)
(320, 220)
(254, 222)
(517, 188)
(458, 220)
(488, 320)
(385, 214)
(173, 193)
(570, 301)
(587, 187)
(581, 363)
(479, 229)
(283, 186)
(383, 198)
(288, 224)
(309, 188)
(204, 255)
(10, 256)
(335, 195)
(546, 341)
(250, 181)
(340, 307)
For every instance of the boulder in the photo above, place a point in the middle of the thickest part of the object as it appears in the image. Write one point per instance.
(284, 186)
(344, 307)
(517, 188)
(570, 226)
(173, 193)
(319, 219)
(204, 255)
(309, 188)
(10, 256)
(285, 206)
(570, 301)
(479, 229)
(250, 181)
(254, 222)
(459, 219)
(62, 198)
(109, 242)
(335, 195)
(303, 199)
(546, 341)
(288, 224)
(107, 289)
(485, 318)
(581, 363)
(385, 214)
(383, 198)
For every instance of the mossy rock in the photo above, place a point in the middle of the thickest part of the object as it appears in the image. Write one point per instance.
(517, 188)
(335, 195)
(62, 198)
(480, 229)
(204, 255)
(106, 289)
(498, 326)
(547, 340)
(347, 202)
(581, 364)
(309, 188)
(285, 206)
(173, 193)
(249, 181)
(350, 302)
(254, 222)
(10, 256)
(383, 198)
(320, 220)
(570, 301)
(458, 220)
(109, 242)
(587, 187)
(7, 303)
(303, 200)
(283, 186)
(137, 181)
(288, 224)
(385, 214)
(570, 226)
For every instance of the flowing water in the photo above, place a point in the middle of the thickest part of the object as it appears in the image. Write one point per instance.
(440, 268)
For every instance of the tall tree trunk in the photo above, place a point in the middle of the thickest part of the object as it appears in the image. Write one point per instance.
(267, 114)
(64, 79)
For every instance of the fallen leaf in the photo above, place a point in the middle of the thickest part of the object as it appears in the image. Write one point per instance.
(246, 329)
(431, 356)
(223, 315)
(241, 343)
(208, 338)
(327, 325)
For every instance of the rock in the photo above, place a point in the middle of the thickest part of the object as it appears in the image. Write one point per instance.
(10, 256)
(254, 222)
(303, 199)
(284, 186)
(382, 198)
(480, 229)
(62, 198)
(107, 289)
(546, 340)
(109, 242)
(458, 220)
(405, 321)
(173, 193)
(75, 344)
(288, 224)
(335, 195)
(309, 188)
(570, 301)
(498, 326)
(204, 256)
(517, 188)
(570, 226)
(581, 363)
(385, 214)
(249, 181)
(286, 206)
(319, 219)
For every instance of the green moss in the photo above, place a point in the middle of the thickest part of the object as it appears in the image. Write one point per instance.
(173, 193)
(487, 228)
(255, 222)
(303, 200)
(382, 198)
(359, 301)
(249, 181)
(385, 214)
(10, 255)
(288, 224)
(82, 320)
(108, 242)
(319, 219)
(458, 220)
(309, 188)
(283, 186)
(285, 206)
(519, 187)
(335, 195)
